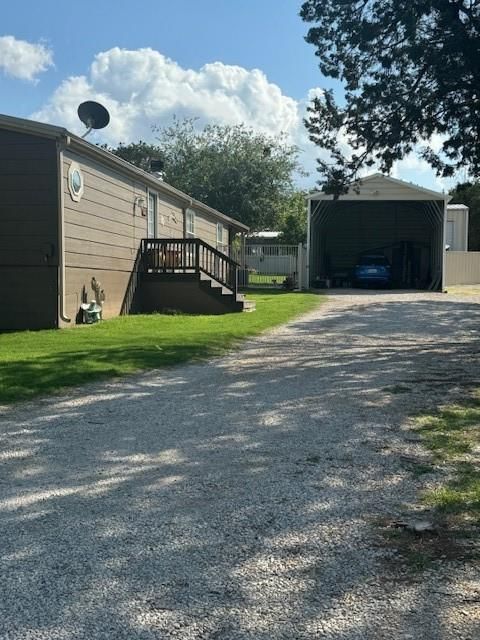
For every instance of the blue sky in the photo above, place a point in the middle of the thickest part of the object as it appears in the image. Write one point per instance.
(146, 61)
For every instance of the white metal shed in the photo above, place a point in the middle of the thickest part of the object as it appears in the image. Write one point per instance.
(402, 220)
(457, 227)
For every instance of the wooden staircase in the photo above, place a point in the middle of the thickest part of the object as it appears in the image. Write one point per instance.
(190, 276)
(215, 287)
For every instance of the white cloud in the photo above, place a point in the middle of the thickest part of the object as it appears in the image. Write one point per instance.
(22, 59)
(143, 88)
(417, 170)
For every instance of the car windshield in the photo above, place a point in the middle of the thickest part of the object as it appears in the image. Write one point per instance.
(377, 261)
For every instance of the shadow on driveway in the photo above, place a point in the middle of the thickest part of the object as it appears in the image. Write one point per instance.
(231, 499)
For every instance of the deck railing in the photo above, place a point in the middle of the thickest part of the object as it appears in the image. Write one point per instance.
(189, 255)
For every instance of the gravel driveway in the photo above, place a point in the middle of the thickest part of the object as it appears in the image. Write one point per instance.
(237, 499)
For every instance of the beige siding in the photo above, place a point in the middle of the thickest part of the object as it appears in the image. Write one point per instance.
(28, 231)
(104, 229)
(462, 267)
(206, 228)
(170, 217)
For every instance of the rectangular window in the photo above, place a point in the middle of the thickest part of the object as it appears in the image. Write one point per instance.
(221, 246)
(152, 216)
(190, 223)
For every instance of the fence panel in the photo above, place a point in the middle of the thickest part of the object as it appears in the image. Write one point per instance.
(268, 265)
(462, 267)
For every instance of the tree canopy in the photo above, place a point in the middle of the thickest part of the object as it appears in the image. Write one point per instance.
(293, 222)
(244, 174)
(410, 70)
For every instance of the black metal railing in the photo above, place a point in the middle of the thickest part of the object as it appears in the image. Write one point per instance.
(189, 255)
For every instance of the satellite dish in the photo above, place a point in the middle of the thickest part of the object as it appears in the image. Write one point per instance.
(93, 115)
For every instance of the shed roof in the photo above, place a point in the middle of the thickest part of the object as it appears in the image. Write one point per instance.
(101, 155)
(380, 187)
(457, 207)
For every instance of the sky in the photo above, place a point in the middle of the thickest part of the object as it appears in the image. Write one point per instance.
(221, 61)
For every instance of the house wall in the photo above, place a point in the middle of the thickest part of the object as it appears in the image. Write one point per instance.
(28, 231)
(206, 229)
(103, 232)
(104, 228)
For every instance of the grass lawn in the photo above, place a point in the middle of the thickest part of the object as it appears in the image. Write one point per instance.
(258, 279)
(452, 434)
(464, 290)
(453, 437)
(39, 362)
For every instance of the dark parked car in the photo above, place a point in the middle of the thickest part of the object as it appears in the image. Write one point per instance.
(372, 269)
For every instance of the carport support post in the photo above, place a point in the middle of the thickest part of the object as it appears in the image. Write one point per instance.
(300, 266)
(307, 266)
(444, 244)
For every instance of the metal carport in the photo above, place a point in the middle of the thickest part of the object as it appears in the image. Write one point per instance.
(379, 213)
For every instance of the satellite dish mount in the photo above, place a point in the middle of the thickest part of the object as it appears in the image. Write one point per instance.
(93, 115)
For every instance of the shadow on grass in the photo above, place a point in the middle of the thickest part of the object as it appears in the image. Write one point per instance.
(33, 363)
(24, 379)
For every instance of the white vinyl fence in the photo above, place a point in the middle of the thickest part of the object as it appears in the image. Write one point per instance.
(271, 265)
(462, 267)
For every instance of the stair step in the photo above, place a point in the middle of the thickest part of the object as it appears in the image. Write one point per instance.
(214, 284)
(249, 306)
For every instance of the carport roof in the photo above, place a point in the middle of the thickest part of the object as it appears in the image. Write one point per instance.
(380, 187)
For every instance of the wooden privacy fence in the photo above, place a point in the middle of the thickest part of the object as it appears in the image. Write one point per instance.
(462, 267)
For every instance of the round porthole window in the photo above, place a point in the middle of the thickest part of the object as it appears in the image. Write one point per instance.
(75, 181)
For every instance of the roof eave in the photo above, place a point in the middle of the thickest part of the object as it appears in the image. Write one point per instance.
(84, 146)
(435, 195)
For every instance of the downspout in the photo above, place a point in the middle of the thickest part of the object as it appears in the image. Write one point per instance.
(61, 230)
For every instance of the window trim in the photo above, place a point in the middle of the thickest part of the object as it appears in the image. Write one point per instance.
(75, 168)
(220, 229)
(190, 217)
(154, 195)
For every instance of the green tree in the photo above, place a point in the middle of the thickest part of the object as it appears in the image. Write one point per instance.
(410, 70)
(293, 225)
(242, 173)
(469, 193)
(138, 153)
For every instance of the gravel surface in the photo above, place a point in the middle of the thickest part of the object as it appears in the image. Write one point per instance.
(237, 499)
